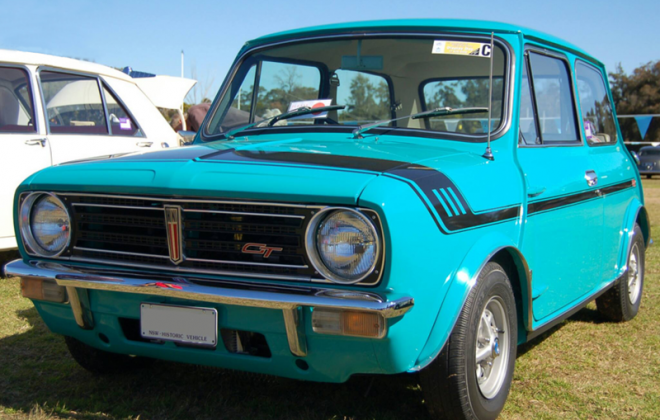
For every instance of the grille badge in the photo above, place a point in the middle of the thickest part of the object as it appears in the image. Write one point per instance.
(174, 239)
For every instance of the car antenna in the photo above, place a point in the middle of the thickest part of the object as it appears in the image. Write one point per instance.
(489, 154)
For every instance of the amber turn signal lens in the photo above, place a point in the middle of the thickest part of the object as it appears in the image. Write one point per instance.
(43, 290)
(352, 323)
(362, 324)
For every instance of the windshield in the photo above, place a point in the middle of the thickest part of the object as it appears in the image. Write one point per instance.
(375, 78)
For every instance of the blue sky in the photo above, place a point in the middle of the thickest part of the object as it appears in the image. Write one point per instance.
(149, 36)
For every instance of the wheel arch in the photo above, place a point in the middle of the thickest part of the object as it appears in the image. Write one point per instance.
(498, 248)
(635, 214)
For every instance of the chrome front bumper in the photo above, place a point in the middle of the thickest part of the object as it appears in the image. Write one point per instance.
(289, 299)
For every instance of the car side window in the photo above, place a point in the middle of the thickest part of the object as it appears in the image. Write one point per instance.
(16, 107)
(280, 85)
(528, 129)
(553, 97)
(121, 123)
(73, 104)
(595, 107)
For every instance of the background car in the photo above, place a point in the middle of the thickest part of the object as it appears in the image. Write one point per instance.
(54, 110)
(649, 161)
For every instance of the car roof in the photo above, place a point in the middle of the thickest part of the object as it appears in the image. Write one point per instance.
(422, 24)
(37, 59)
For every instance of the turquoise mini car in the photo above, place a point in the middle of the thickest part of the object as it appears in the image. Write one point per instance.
(364, 198)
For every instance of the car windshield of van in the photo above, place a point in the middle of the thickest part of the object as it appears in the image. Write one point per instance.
(373, 79)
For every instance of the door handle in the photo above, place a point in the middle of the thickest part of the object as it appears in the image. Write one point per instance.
(144, 143)
(34, 142)
(535, 191)
(591, 178)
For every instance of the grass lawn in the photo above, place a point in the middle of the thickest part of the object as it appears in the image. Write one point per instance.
(582, 369)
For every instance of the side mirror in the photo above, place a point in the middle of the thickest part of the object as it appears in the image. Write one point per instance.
(636, 157)
(186, 137)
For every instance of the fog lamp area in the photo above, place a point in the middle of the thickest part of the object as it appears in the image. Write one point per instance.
(43, 289)
(349, 323)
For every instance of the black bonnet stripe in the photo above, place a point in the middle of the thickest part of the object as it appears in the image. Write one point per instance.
(449, 204)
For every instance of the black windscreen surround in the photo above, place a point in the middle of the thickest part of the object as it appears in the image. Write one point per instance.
(375, 78)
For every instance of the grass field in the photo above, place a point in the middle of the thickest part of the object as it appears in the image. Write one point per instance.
(582, 369)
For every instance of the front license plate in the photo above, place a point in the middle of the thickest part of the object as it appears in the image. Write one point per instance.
(181, 324)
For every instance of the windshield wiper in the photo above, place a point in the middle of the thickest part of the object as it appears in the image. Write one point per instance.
(447, 110)
(357, 133)
(293, 113)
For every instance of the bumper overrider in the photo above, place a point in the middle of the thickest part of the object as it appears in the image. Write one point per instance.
(71, 284)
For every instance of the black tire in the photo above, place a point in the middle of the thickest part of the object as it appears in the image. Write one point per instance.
(449, 383)
(618, 304)
(102, 362)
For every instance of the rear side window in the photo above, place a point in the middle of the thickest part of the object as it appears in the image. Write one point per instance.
(16, 107)
(553, 98)
(597, 117)
(121, 123)
(73, 104)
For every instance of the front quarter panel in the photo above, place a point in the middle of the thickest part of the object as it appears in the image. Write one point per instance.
(437, 268)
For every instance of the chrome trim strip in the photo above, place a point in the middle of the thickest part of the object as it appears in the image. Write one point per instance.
(82, 248)
(191, 270)
(77, 309)
(190, 200)
(291, 216)
(114, 206)
(246, 263)
(288, 299)
(295, 331)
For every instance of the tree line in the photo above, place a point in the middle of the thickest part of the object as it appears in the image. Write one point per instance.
(637, 93)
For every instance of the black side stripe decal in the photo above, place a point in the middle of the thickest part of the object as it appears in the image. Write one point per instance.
(553, 203)
(450, 211)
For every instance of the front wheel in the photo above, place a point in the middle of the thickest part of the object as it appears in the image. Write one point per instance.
(471, 377)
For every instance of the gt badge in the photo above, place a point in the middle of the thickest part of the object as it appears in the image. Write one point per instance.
(173, 224)
(261, 249)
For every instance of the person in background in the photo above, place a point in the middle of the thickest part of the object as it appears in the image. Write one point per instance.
(176, 123)
(196, 114)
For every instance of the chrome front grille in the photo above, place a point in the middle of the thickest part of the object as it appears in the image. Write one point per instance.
(228, 238)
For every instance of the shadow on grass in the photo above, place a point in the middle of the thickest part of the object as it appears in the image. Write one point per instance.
(585, 315)
(37, 371)
(8, 256)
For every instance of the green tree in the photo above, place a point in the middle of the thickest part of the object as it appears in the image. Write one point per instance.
(638, 94)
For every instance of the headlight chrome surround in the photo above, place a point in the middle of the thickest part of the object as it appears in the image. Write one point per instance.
(312, 246)
(25, 225)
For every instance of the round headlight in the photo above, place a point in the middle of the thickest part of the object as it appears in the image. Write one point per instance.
(344, 246)
(45, 224)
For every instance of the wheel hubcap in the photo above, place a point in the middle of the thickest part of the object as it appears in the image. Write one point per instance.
(492, 348)
(634, 274)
